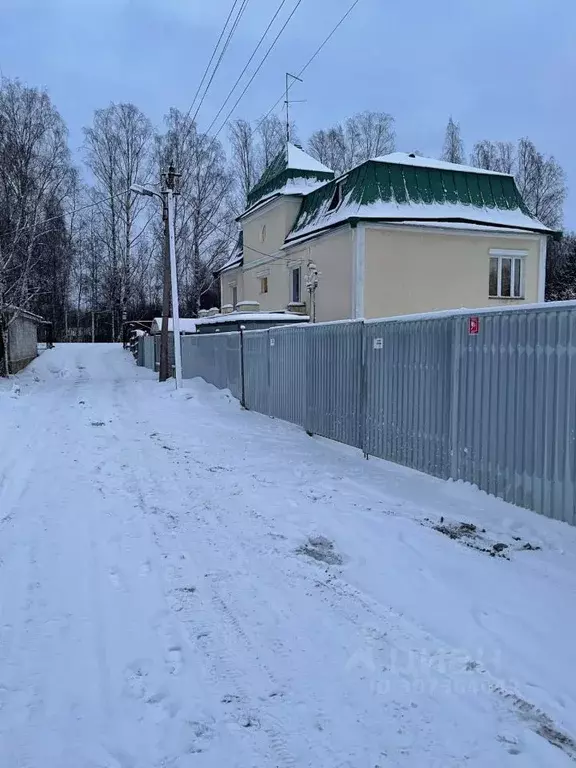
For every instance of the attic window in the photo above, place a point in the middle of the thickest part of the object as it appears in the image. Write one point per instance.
(336, 198)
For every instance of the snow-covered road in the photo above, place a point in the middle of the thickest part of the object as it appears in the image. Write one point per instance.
(186, 584)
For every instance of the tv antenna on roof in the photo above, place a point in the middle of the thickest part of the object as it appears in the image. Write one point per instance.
(288, 101)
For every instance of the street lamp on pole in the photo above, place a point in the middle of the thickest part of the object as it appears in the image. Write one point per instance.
(167, 199)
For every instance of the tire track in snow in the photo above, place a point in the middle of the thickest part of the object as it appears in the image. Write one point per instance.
(144, 491)
(218, 613)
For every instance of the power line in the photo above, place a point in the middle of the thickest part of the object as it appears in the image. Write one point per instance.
(222, 53)
(254, 52)
(311, 59)
(66, 213)
(249, 83)
(233, 240)
(234, 4)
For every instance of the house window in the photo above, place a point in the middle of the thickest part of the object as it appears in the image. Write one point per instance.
(506, 275)
(296, 296)
(234, 291)
(263, 285)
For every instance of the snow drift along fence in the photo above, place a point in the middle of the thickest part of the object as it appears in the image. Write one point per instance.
(496, 407)
(214, 357)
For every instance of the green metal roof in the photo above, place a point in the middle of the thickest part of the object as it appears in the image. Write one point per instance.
(401, 191)
(289, 164)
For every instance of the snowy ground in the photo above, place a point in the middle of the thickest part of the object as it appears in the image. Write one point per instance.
(186, 584)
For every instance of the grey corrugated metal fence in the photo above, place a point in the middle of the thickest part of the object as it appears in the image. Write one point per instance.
(495, 408)
(215, 357)
(146, 347)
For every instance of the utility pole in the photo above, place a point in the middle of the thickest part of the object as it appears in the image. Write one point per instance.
(171, 177)
(164, 362)
(170, 272)
(288, 102)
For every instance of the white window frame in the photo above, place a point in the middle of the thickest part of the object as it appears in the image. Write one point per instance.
(261, 278)
(518, 261)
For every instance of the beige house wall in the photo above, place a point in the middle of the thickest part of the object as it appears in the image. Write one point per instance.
(265, 231)
(404, 270)
(407, 272)
(227, 280)
(332, 253)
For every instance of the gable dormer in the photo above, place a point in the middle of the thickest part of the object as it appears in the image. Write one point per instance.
(274, 202)
(291, 172)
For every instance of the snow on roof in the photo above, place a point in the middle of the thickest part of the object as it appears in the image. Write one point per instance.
(233, 261)
(299, 186)
(301, 161)
(241, 317)
(187, 325)
(18, 311)
(405, 158)
(423, 213)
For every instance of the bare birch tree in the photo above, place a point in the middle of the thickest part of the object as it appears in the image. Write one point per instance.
(36, 180)
(540, 178)
(204, 218)
(453, 150)
(363, 136)
(118, 149)
(542, 183)
(271, 138)
(244, 162)
(494, 156)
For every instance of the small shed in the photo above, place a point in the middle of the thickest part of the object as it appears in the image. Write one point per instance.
(18, 338)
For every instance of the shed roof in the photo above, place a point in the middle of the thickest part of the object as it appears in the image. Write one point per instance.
(289, 164)
(18, 311)
(409, 188)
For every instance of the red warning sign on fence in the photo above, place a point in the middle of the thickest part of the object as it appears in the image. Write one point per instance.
(473, 325)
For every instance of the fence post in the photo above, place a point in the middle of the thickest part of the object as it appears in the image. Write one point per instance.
(455, 398)
(309, 382)
(242, 378)
(363, 391)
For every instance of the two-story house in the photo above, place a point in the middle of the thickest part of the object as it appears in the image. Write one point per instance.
(396, 235)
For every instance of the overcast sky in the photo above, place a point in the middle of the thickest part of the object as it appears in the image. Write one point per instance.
(502, 68)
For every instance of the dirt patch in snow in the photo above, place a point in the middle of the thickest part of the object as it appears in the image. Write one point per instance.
(322, 549)
(472, 536)
(540, 723)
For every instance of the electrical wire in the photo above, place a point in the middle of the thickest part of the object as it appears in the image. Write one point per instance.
(258, 68)
(233, 240)
(311, 59)
(66, 213)
(222, 52)
(254, 52)
(207, 69)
